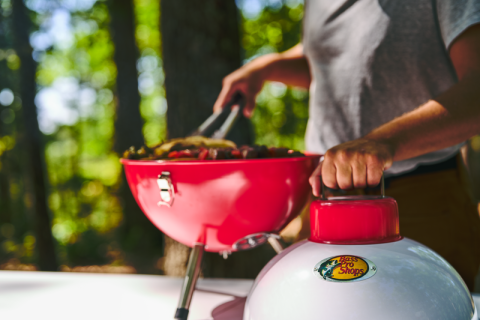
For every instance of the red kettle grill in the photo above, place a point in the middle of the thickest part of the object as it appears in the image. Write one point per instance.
(219, 205)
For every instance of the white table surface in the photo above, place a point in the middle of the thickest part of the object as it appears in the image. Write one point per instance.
(61, 295)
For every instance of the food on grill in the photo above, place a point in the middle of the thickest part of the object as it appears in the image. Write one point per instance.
(201, 148)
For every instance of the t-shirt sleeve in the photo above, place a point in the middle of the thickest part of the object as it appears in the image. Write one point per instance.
(455, 16)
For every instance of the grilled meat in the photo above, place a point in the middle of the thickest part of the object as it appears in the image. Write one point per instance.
(201, 148)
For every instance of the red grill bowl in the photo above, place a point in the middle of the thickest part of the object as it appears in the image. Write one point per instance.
(219, 202)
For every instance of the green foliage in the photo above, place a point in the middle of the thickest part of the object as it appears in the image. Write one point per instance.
(281, 114)
(16, 239)
(83, 171)
(153, 105)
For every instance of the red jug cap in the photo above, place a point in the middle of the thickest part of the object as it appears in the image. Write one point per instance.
(354, 220)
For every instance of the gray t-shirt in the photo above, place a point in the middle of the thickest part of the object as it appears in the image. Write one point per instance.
(374, 60)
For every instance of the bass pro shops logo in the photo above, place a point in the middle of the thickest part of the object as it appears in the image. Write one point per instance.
(345, 268)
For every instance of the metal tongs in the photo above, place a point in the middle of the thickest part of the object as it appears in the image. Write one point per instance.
(228, 116)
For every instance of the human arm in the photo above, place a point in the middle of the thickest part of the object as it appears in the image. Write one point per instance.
(450, 118)
(289, 67)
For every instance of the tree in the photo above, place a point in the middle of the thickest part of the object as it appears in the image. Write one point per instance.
(138, 236)
(128, 122)
(5, 201)
(201, 45)
(22, 26)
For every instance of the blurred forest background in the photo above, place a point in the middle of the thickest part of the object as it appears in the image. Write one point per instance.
(82, 80)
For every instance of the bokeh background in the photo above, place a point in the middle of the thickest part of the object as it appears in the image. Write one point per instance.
(82, 80)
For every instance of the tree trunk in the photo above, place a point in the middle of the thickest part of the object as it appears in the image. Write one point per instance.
(201, 45)
(22, 26)
(128, 122)
(139, 237)
(5, 203)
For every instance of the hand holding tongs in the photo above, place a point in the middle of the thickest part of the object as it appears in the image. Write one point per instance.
(228, 116)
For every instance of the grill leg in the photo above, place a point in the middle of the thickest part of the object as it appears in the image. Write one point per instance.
(193, 269)
(276, 245)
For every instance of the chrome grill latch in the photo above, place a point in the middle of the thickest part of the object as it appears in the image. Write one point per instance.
(167, 193)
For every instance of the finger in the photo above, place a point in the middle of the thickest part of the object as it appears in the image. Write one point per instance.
(359, 175)
(374, 173)
(344, 176)
(224, 97)
(249, 106)
(387, 164)
(315, 181)
(329, 174)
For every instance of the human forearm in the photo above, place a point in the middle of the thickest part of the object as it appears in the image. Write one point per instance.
(289, 67)
(451, 118)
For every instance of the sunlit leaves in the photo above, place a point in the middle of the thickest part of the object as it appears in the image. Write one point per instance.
(272, 29)
(76, 78)
(9, 55)
(281, 114)
(6, 143)
(76, 83)
(150, 81)
(147, 13)
(13, 62)
(107, 169)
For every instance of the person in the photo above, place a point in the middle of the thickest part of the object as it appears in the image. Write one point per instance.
(393, 87)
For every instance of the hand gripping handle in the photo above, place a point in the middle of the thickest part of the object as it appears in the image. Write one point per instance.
(322, 186)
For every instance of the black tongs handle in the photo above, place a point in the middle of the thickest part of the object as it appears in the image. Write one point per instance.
(224, 120)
